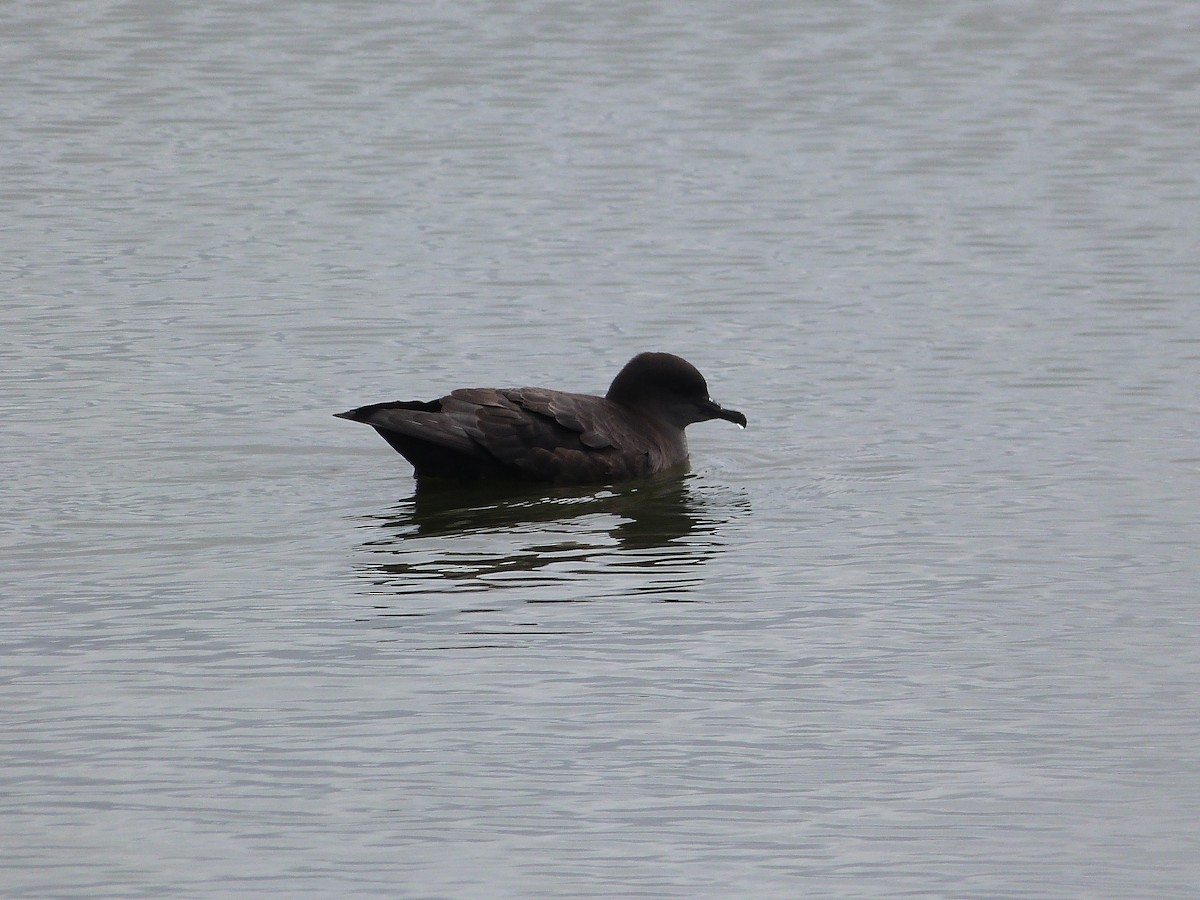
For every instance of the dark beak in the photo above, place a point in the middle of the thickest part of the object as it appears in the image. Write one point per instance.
(716, 411)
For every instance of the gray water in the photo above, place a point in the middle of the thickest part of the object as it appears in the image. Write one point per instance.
(928, 626)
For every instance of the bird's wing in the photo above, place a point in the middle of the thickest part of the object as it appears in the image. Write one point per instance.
(575, 437)
(567, 437)
(581, 414)
(540, 434)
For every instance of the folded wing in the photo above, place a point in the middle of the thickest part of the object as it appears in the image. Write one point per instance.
(530, 433)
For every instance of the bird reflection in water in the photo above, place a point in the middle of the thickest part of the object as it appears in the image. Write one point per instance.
(651, 535)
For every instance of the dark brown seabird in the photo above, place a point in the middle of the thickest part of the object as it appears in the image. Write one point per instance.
(536, 434)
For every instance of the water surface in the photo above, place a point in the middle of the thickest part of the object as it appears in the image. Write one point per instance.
(927, 626)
